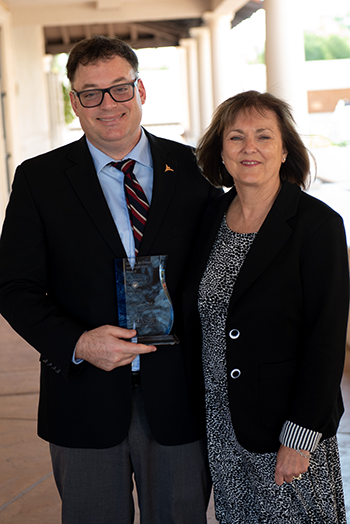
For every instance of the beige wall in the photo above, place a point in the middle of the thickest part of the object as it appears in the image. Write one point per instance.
(3, 168)
(34, 130)
(26, 111)
(9, 143)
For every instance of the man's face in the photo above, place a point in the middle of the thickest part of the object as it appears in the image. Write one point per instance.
(113, 127)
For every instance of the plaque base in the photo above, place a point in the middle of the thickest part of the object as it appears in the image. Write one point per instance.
(158, 340)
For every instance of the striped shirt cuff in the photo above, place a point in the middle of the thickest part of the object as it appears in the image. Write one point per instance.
(296, 437)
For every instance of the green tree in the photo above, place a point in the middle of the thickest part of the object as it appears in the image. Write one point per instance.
(69, 114)
(338, 47)
(326, 47)
(259, 59)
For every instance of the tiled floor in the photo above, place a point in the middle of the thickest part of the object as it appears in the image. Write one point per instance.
(27, 490)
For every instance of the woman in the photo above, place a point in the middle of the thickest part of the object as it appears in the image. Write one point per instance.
(273, 293)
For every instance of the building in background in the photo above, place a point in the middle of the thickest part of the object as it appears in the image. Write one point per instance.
(208, 65)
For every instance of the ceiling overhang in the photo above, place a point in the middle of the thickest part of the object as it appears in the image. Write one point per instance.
(140, 23)
(246, 11)
(60, 39)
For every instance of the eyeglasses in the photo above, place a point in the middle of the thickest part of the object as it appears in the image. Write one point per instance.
(118, 93)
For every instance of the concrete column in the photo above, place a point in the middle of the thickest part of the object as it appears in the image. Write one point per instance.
(185, 92)
(285, 56)
(220, 26)
(205, 75)
(193, 132)
(55, 105)
(34, 126)
(4, 147)
(9, 141)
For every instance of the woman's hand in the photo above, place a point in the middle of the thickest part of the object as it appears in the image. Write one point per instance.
(290, 464)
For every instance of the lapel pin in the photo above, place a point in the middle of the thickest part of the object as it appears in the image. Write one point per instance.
(167, 168)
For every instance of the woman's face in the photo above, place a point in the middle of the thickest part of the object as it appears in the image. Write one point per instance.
(252, 149)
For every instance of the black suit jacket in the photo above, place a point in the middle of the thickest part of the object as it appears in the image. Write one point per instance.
(290, 307)
(57, 280)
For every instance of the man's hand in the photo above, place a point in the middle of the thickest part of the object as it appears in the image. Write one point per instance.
(105, 347)
(289, 465)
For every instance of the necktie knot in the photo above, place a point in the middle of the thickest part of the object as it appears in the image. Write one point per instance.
(126, 166)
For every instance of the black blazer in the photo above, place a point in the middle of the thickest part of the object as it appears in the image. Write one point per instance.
(57, 280)
(290, 307)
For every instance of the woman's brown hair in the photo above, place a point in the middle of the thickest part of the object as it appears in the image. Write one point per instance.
(296, 169)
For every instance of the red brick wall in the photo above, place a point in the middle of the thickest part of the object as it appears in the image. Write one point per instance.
(325, 101)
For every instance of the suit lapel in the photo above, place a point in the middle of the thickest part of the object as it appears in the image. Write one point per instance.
(271, 238)
(165, 172)
(83, 178)
(204, 241)
(273, 235)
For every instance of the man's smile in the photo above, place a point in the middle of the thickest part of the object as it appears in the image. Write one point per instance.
(111, 119)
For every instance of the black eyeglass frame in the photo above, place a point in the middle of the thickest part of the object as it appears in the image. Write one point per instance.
(107, 90)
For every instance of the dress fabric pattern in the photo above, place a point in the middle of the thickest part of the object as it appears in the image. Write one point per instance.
(244, 486)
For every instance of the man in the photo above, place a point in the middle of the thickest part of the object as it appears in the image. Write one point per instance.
(66, 223)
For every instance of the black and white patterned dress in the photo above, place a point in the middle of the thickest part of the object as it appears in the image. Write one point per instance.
(244, 486)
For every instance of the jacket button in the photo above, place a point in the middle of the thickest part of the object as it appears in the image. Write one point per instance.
(235, 373)
(45, 360)
(234, 333)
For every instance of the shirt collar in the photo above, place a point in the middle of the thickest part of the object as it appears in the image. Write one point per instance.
(141, 153)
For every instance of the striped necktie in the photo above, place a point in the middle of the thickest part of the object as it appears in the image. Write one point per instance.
(136, 200)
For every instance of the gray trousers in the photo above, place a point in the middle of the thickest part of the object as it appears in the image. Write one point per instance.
(173, 482)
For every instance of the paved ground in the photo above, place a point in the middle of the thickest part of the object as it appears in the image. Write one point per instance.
(27, 491)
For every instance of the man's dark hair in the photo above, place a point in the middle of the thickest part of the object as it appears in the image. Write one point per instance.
(92, 50)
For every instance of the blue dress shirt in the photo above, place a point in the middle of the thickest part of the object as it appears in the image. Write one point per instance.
(112, 183)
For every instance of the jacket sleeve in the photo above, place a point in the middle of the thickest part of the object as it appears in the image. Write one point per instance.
(325, 288)
(25, 300)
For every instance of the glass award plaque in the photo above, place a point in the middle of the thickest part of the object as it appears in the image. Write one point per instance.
(143, 299)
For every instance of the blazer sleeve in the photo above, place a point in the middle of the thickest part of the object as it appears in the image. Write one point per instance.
(325, 290)
(25, 300)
